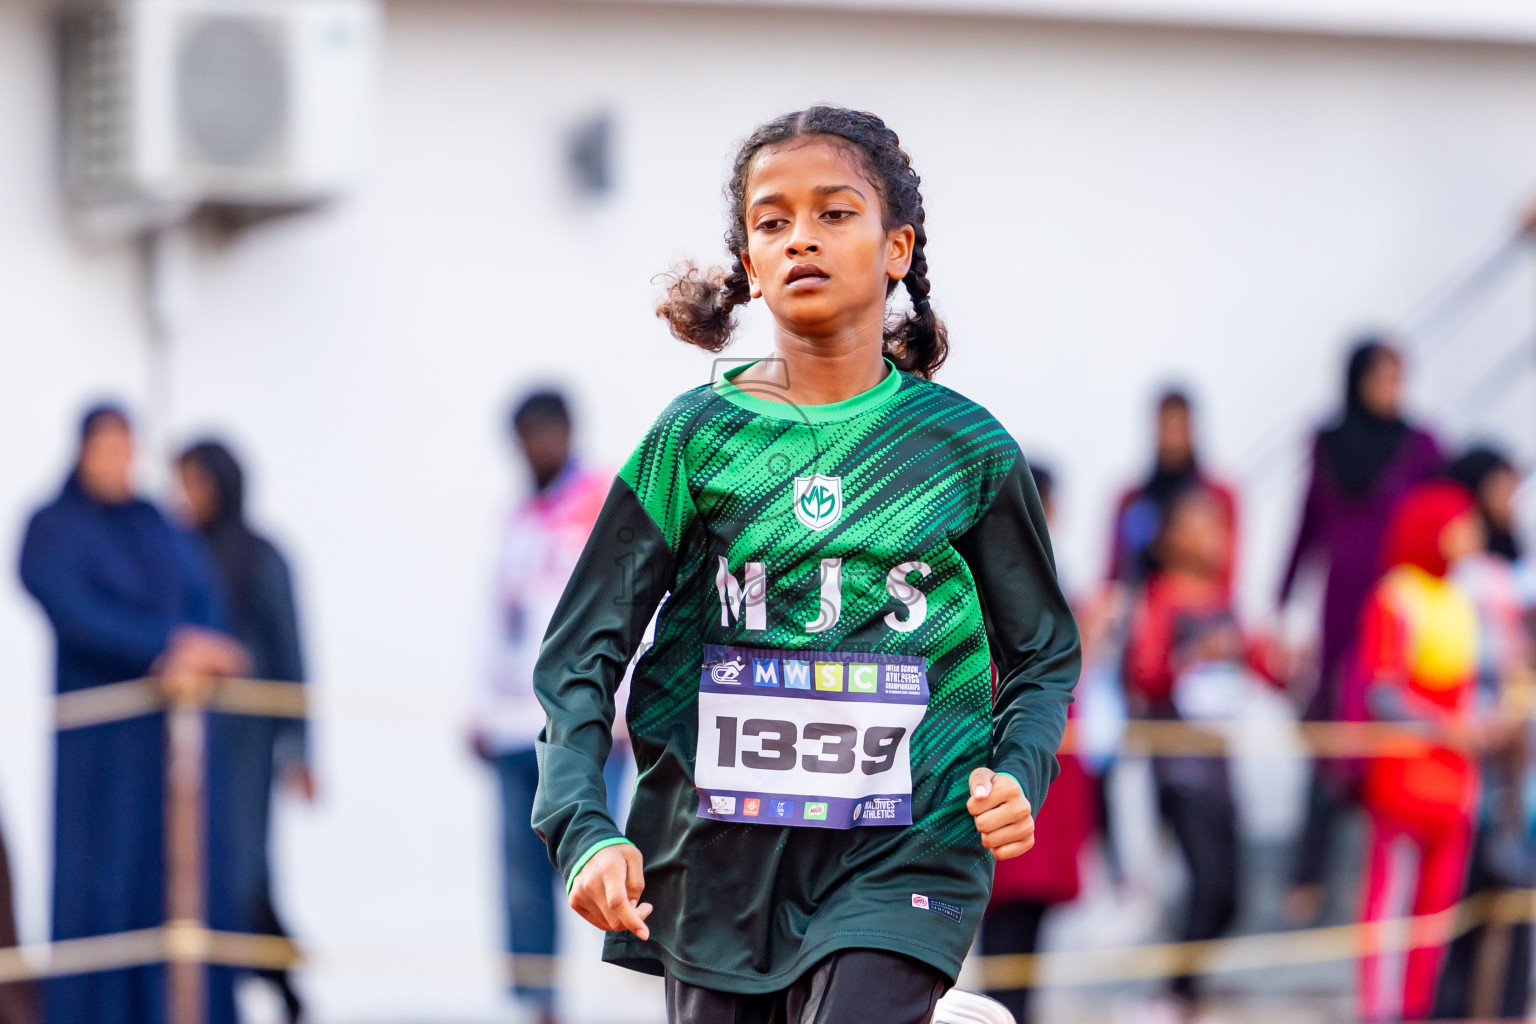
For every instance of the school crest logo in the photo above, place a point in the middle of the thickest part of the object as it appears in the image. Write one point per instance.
(818, 500)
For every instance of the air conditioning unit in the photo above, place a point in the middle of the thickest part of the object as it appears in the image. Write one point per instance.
(170, 105)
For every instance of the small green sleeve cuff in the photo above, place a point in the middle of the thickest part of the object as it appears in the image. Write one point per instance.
(1016, 782)
(591, 852)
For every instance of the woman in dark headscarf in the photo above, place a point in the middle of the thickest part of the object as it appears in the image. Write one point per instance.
(259, 595)
(128, 596)
(1362, 467)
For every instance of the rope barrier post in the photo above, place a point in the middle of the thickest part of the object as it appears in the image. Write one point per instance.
(186, 726)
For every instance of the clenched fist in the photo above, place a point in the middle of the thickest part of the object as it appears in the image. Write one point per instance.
(1002, 814)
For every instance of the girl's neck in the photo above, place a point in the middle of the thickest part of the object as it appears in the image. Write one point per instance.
(820, 371)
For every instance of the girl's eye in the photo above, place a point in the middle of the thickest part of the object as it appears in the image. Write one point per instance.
(838, 214)
(770, 224)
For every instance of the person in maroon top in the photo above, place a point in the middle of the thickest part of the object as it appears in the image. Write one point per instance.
(1362, 466)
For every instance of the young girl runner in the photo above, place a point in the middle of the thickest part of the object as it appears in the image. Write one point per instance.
(825, 778)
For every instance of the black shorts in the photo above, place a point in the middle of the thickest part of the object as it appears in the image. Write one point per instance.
(854, 986)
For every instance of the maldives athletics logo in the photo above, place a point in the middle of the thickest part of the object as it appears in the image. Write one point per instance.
(818, 500)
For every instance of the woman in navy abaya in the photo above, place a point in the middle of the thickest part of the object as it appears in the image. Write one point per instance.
(128, 596)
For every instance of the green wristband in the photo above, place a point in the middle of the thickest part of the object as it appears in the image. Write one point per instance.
(591, 852)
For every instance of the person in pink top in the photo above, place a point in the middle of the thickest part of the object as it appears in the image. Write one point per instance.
(540, 543)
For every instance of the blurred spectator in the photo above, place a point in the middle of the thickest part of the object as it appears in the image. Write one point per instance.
(1488, 970)
(1418, 662)
(540, 545)
(1361, 468)
(1491, 478)
(258, 596)
(1140, 512)
(1026, 887)
(1186, 659)
(18, 1000)
(128, 596)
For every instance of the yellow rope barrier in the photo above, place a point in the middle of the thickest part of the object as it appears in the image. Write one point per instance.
(137, 697)
(192, 942)
(134, 698)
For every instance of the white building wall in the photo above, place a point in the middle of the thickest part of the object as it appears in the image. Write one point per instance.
(1108, 209)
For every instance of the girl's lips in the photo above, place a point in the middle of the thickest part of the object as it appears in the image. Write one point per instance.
(808, 276)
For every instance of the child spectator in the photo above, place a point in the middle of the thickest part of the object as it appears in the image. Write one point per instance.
(1186, 659)
(1418, 663)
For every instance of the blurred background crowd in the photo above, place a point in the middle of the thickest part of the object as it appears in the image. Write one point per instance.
(329, 321)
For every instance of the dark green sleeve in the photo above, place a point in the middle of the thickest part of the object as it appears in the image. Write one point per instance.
(627, 566)
(1030, 630)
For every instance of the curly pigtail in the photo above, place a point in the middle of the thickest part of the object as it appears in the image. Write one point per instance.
(700, 305)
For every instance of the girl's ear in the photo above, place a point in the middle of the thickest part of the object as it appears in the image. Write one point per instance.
(898, 253)
(756, 290)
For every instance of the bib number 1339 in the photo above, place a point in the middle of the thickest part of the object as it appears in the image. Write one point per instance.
(807, 738)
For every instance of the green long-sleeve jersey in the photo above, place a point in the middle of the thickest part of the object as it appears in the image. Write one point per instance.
(837, 581)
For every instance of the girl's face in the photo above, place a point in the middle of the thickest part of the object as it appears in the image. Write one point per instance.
(818, 252)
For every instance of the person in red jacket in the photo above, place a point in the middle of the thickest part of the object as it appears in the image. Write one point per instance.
(1418, 662)
(1187, 659)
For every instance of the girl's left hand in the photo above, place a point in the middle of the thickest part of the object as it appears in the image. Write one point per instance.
(1002, 814)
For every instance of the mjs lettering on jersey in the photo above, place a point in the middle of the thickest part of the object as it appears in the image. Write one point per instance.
(745, 601)
(820, 739)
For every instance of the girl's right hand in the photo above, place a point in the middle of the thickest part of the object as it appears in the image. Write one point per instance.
(607, 891)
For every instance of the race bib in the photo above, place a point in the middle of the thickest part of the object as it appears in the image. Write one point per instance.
(818, 739)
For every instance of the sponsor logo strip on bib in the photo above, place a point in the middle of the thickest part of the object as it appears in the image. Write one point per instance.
(818, 739)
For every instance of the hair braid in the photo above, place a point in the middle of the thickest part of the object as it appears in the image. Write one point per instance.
(918, 341)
